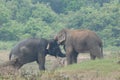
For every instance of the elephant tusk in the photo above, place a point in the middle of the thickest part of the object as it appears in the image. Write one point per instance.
(48, 46)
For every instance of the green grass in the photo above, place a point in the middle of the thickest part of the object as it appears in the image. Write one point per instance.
(104, 69)
(103, 65)
(7, 45)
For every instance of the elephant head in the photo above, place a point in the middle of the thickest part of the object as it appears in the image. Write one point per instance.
(54, 49)
(61, 36)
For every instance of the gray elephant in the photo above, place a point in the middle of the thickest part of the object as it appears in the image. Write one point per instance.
(33, 49)
(80, 41)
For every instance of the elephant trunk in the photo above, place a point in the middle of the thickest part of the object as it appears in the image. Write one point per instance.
(60, 54)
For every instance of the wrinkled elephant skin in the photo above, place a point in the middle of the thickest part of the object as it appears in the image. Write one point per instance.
(79, 41)
(34, 49)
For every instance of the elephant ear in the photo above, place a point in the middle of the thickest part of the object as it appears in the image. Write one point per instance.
(62, 38)
(48, 46)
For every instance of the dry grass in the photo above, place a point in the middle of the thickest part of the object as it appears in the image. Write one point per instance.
(59, 75)
(8, 73)
(82, 71)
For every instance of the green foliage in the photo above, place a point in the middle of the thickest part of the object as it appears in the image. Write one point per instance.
(4, 14)
(7, 45)
(11, 31)
(102, 66)
(21, 19)
(44, 12)
(37, 28)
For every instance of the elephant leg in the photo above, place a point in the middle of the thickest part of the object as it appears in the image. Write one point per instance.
(92, 53)
(92, 56)
(69, 55)
(41, 61)
(96, 52)
(100, 53)
(74, 57)
(69, 58)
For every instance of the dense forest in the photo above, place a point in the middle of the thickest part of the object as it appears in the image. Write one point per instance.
(21, 19)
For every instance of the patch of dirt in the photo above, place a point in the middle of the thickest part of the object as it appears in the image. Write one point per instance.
(4, 56)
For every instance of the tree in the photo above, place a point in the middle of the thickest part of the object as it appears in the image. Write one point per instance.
(4, 14)
(37, 28)
(44, 12)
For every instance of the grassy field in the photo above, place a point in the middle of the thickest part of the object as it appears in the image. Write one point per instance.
(86, 69)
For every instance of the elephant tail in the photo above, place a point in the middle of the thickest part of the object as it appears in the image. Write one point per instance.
(10, 56)
(101, 46)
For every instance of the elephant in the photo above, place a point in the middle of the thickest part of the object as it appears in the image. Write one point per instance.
(33, 49)
(79, 41)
